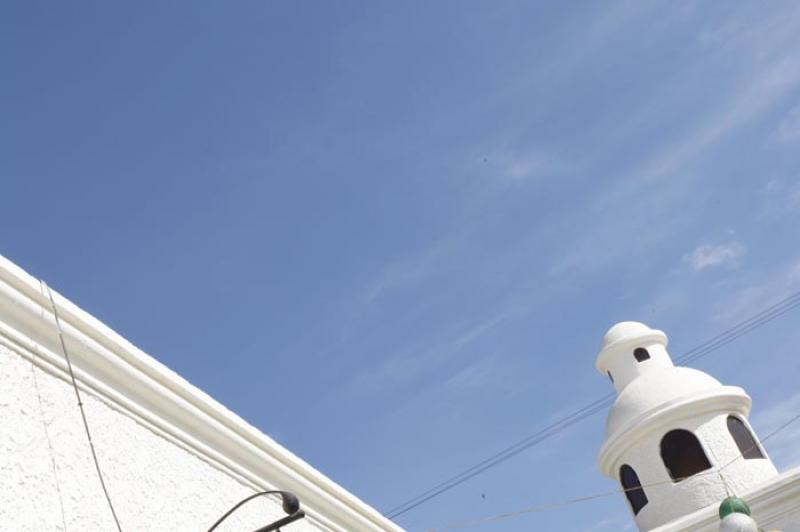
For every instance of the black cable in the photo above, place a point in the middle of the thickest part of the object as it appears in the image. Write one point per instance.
(576, 500)
(80, 406)
(785, 301)
(498, 459)
(519, 446)
(740, 329)
(34, 361)
(291, 506)
(776, 311)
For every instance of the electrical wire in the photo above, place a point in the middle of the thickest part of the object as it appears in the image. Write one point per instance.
(48, 439)
(568, 502)
(80, 405)
(768, 436)
(729, 335)
(740, 329)
(555, 505)
(505, 454)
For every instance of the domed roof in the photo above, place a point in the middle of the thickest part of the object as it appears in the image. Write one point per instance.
(654, 389)
(624, 334)
(624, 330)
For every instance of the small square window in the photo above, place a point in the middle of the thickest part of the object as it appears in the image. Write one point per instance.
(641, 354)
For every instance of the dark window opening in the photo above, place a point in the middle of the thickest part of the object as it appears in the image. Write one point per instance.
(610, 376)
(641, 354)
(744, 439)
(683, 455)
(633, 488)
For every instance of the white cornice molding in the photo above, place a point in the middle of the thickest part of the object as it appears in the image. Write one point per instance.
(770, 502)
(128, 379)
(730, 399)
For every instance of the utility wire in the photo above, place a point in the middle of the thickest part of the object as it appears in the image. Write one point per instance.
(753, 322)
(47, 437)
(556, 505)
(773, 312)
(768, 436)
(509, 452)
(80, 404)
(569, 502)
(503, 455)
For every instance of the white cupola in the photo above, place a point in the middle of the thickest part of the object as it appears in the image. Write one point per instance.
(671, 429)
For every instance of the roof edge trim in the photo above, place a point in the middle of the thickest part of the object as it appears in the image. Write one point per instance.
(112, 368)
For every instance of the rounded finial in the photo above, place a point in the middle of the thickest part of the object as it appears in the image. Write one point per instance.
(733, 505)
(737, 522)
(625, 330)
(624, 335)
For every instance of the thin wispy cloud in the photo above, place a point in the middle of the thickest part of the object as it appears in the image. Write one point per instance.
(662, 181)
(430, 354)
(710, 256)
(781, 197)
(491, 172)
(523, 167)
(603, 25)
(763, 85)
(478, 330)
(789, 128)
(771, 286)
(404, 272)
(473, 376)
(434, 219)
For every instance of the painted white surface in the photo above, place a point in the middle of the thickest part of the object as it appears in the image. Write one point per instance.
(738, 523)
(175, 459)
(154, 484)
(653, 390)
(655, 397)
(775, 505)
(618, 345)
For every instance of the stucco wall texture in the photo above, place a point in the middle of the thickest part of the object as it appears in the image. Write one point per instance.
(48, 479)
(669, 500)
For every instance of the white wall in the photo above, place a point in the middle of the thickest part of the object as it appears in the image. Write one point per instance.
(668, 500)
(174, 459)
(775, 506)
(154, 484)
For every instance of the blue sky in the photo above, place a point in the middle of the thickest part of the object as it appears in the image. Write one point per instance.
(391, 235)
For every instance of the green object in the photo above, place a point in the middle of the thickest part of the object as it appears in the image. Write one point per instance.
(733, 505)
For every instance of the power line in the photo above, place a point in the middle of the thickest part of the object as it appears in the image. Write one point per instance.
(753, 322)
(756, 320)
(556, 505)
(47, 438)
(771, 313)
(503, 455)
(80, 404)
(768, 436)
(576, 500)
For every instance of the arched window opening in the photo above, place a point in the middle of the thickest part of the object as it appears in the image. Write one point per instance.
(744, 439)
(683, 455)
(633, 488)
(641, 354)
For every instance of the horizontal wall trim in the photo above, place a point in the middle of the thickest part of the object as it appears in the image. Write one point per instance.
(730, 399)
